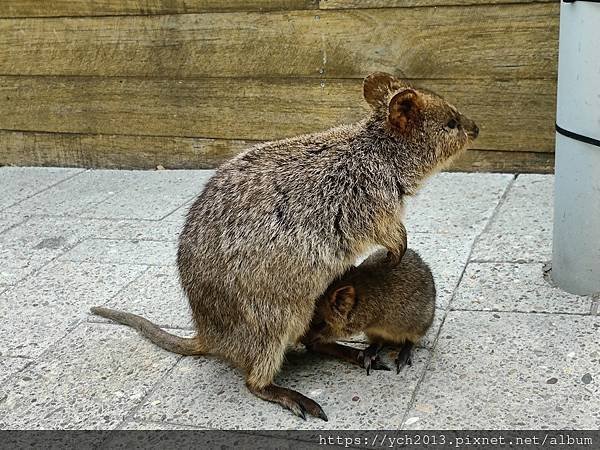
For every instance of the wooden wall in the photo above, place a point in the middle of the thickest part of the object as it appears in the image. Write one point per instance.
(188, 83)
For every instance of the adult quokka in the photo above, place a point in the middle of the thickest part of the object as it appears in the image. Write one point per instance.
(279, 222)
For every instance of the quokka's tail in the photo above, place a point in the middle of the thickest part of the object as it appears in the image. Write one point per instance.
(152, 332)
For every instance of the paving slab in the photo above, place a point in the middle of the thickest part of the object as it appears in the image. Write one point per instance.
(514, 287)
(118, 194)
(41, 238)
(522, 229)
(91, 380)
(8, 220)
(79, 194)
(148, 230)
(154, 195)
(14, 270)
(447, 256)
(178, 216)
(497, 370)
(121, 251)
(19, 183)
(456, 202)
(147, 426)
(39, 311)
(45, 238)
(207, 392)
(157, 296)
(74, 239)
(10, 366)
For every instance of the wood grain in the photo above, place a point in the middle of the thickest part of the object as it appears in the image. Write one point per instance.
(75, 8)
(189, 83)
(114, 152)
(165, 46)
(363, 4)
(512, 115)
(497, 41)
(148, 152)
(496, 161)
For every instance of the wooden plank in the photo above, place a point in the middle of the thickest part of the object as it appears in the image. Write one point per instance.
(363, 4)
(171, 46)
(495, 161)
(114, 152)
(134, 152)
(500, 41)
(512, 115)
(505, 41)
(78, 8)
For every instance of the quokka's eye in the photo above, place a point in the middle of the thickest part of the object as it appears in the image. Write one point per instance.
(452, 124)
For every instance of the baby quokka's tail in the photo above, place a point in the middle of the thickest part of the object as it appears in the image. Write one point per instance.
(173, 343)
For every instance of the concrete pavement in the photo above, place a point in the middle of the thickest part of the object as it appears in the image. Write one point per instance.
(507, 350)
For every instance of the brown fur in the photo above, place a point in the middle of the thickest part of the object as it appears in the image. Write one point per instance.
(279, 222)
(176, 344)
(391, 305)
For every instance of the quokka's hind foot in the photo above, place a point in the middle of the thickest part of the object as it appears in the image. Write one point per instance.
(297, 403)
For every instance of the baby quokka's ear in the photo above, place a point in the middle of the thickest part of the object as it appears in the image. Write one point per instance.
(405, 110)
(342, 300)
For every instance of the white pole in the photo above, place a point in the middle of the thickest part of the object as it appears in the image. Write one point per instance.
(576, 243)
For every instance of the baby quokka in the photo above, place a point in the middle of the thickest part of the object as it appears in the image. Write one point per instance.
(392, 305)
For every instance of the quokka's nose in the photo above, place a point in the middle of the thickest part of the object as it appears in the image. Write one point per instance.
(471, 128)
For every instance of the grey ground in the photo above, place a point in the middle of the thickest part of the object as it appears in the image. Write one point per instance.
(507, 349)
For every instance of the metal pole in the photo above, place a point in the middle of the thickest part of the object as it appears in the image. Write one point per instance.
(576, 243)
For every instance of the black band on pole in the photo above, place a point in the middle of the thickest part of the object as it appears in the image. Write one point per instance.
(570, 134)
(578, 137)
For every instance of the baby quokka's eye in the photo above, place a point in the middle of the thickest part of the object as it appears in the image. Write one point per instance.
(452, 124)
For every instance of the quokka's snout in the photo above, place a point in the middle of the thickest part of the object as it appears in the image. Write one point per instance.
(469, 126)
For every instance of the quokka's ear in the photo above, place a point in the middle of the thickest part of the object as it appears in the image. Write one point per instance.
(405, 109)
(343, 299)
(376, 87)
